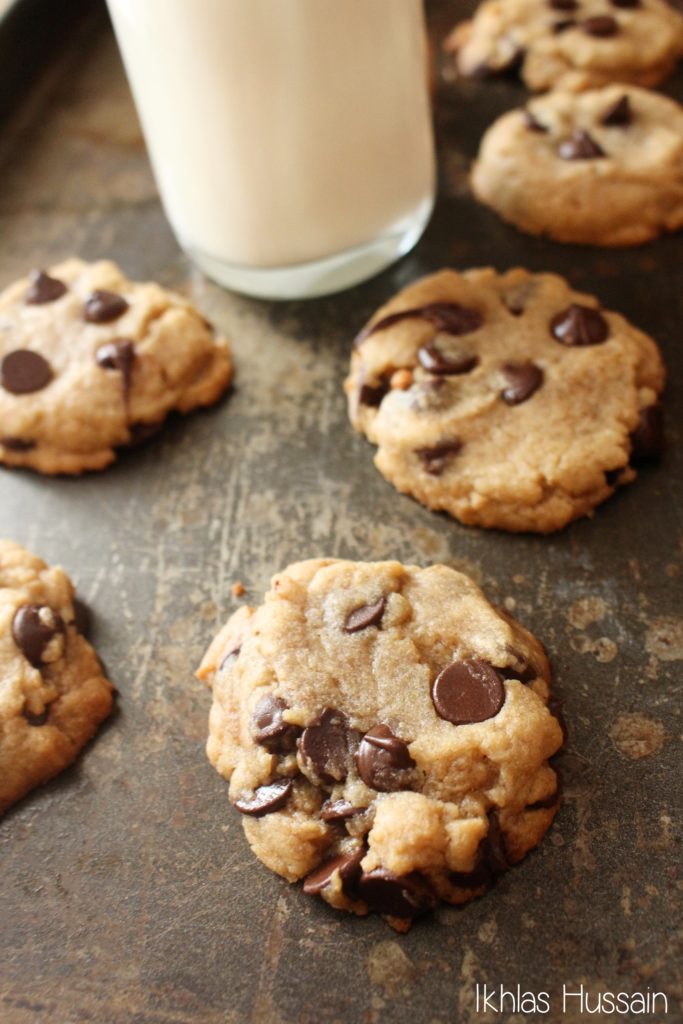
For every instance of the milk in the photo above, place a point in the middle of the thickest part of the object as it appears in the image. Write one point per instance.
(291, 140)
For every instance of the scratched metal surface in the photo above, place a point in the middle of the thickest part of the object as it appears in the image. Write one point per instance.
(127, 892)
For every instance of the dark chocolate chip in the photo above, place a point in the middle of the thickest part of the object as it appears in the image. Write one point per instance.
(522, 380)
(494, 848)
(563, 5)
(328, 745)
(434, 460)
(397, 896)
(348, 866)
(365, 615)
(602, 26)
(613, 476)
(647, 440)
(534, 125)
(82, 617)
(626, 4)
(449, 317)
(36, 720)
(338, 810)
(102, 306)
(17, 444)
(562, 26)
(580, 147)
(383, 759)
(33, 628)
(433, 359)
(579, 325)
(468, 691)
(118, 355)
(372, 394)
(23, 372)
(269, 728)
(231, 654)
(43, 288)
(265, 799)
(619, 115)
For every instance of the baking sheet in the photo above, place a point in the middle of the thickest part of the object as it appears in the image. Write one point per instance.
(128, 892)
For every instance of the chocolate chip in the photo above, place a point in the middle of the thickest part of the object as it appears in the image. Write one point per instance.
(269, 728)
(102, 306)
(534, 125)
(82, 617)
(562, 26)
(23, 371)
(468, 691)
(494, 848)
(383, 759)
(603, 25)
(523, 379)
(265, 799)
(34, 628)
(140, 433)
(365, 615)
(434, 460)
(338, 810)
(434, 360)
(563, 5)
(619, 115)
(627, 4)
(118, 355)
(348, 866)
(449, 317)
(43, 288)
(17, 444)
(394, 895)
(34, 719)
(327, 746)
(231, 654)
(613, 476)
(372, 394)
(579, 325)
(647, 440)
(580, 147)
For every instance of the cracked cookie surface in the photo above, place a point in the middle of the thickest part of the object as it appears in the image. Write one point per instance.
(91, 362)
(603, 167)
(508, 400)
(53, 694)
(574, 44)
(386, 734)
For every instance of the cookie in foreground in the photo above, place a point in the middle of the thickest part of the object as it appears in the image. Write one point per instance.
(575, 44)
(603, 167)
(91, 362)
(53, 694)
(386, 733)
(508, 400)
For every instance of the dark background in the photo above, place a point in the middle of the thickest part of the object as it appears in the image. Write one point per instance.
(128, 894)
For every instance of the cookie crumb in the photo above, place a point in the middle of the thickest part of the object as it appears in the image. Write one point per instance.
(238, 589)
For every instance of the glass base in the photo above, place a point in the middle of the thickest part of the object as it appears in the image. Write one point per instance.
(319, 277)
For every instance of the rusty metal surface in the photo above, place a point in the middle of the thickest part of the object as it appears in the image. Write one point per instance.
(128, 894)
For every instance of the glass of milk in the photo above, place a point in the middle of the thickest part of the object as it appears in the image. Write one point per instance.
(291, 140)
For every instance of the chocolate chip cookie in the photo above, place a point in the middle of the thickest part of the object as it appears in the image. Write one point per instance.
(508, 400)
(603, 167)
(386, 733)
(53, 694)
(575, 44)
(91, 362)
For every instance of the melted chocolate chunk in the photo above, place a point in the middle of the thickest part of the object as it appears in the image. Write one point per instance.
(102, 307)
(372, 394)
(449, 317)
(619, 115)
(534, 125)
(468, 691)
(579, 325)
(328, 745)
(383, 760)
(23, 372)
(522, 380)
(43, 289)
(118, 355)
(348, 866)
(397, 896)
(33, 628)
(580, 147)
(603, 25)
(269, 728)
(492, 859)
(647, 440)
(365, 615)
(17, 444)
(434, 360)
(36, 720)
(265, 799)
(338, 810)
(434, 460)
